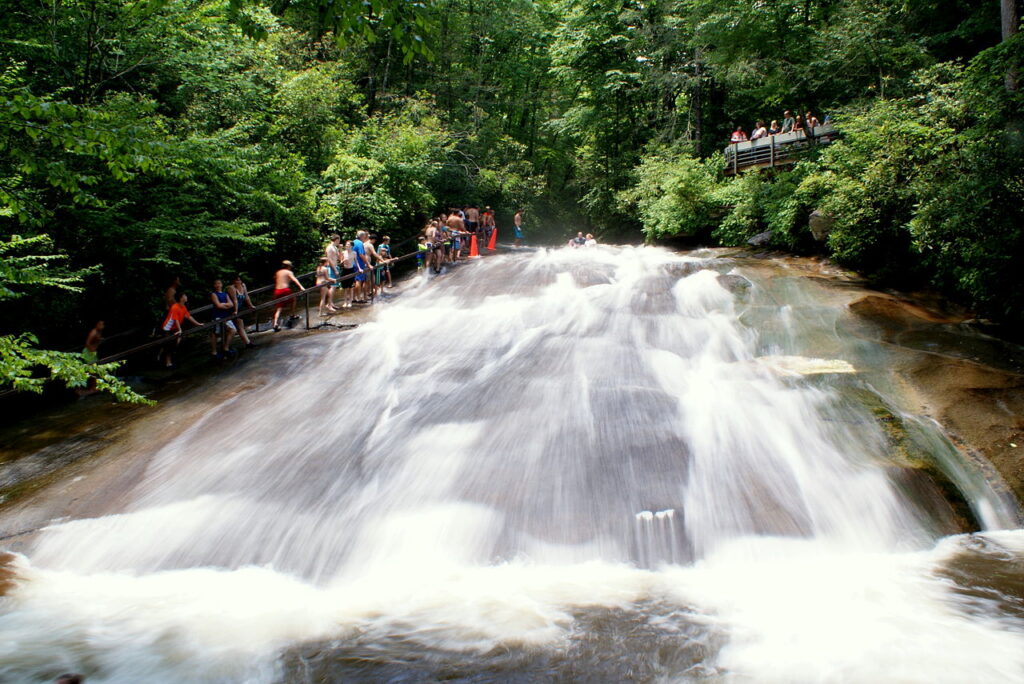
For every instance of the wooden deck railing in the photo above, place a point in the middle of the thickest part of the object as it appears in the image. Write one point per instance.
(775, 150)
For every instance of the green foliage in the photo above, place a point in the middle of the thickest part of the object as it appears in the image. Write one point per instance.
(675, 195)
(20, 360)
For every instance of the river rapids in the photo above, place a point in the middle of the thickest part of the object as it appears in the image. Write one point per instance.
(610, 464)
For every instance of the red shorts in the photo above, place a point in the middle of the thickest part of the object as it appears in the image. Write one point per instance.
(281, 292)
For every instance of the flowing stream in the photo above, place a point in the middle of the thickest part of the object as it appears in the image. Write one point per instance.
(611, 464)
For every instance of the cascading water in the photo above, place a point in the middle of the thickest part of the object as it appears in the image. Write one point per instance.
(589, 464)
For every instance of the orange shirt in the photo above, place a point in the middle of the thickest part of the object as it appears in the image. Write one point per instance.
(177, 313)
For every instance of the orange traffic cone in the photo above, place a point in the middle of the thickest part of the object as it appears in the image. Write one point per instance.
(473, 253)
(494, 240)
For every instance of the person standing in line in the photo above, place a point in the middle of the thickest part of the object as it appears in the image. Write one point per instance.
(348, 272)
(172, 325)
(359, 248)
(385, 254)
(456, 226)
(518, 221)
(239, 294)
(283, 279)
(223, 307)
(488, 226)
(332, 253)
(440, 238)
(473, 221)
(422, 253)
(372, 265)
(325, 282)
(788, 122)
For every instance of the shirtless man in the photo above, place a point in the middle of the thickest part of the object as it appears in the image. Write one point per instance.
(473, 220)
(333, 273)
(488, 226)
(456, 226)
(283, 279)
(518, 220)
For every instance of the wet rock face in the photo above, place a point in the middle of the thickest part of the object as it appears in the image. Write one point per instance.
(734, 283)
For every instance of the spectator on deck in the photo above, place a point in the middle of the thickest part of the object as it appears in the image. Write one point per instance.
(172, 325)
(788, 121)
(759, 131)
(223, 307)
(239, 294)
(738, 135)
(774, 128)
(798, 125)
(811, 121)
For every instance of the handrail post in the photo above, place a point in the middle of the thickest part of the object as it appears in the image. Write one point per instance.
(772, 164)
(735, 155)
(306, 298)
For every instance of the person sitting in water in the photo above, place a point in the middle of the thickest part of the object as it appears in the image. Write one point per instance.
(579, 240)
(591, 242)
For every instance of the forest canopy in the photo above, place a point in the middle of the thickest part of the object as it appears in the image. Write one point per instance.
(143, 139)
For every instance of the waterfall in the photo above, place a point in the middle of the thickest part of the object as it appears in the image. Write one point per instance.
(613, 463)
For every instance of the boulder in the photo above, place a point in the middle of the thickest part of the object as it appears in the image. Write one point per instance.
(820, 225)
(761, 239)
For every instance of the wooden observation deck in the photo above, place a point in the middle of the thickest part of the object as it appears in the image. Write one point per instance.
(775, 150)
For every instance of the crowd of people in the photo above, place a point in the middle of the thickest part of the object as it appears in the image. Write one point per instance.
(790, 124)
(360, 268)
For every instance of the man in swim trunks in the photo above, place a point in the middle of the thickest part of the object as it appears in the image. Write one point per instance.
(283, 279)
(456, 227)
(518, 221)
(473, 220)
(91, 355)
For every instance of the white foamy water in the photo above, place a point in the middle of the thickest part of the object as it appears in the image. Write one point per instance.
(565, 465)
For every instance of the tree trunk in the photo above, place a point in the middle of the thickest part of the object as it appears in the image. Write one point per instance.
(1010, 13)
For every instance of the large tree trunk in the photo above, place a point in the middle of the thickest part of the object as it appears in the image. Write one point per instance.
(1010, 13)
